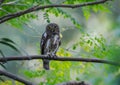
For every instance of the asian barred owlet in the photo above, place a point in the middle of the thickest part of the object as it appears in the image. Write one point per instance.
(50, 42)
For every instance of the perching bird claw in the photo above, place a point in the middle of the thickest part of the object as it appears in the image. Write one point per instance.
(51, 55)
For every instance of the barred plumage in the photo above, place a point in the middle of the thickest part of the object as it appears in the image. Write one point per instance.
(50, 42)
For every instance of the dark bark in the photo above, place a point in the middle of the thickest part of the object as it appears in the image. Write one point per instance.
(13, 76)
(30, 57)
(74, 83)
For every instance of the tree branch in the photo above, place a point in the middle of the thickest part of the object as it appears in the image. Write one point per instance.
(35, 8)
(73, 83)
(93, 60)
(12, 76)
(14, 58)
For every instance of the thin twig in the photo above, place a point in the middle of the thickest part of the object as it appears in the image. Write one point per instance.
(13, 76)
(93, 60)
(35, 8)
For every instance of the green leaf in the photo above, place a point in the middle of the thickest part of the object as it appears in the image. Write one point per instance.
(2, 65)
(2, 54)
(91, 43)
(2, 79)
(33, 74)
(88, 41)
(3, 57)
(95, 8)
(86, 12)
(7, 40)
(46, 17)
(10, 45)
(74, 47)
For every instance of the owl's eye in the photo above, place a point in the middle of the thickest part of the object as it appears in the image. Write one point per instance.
(49, 28)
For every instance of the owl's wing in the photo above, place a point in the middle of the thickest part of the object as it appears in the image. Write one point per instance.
(43, 42)
(57, 43)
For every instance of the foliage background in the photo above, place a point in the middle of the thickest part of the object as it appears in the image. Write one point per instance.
(90, 31)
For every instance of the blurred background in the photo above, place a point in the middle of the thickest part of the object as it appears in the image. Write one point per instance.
(88, 32)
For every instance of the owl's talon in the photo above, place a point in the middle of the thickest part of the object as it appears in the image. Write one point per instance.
(54, 55)
(51, 55)
(48, 55)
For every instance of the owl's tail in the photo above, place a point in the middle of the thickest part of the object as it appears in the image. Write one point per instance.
(46, 64)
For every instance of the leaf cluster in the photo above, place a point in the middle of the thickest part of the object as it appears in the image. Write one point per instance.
(20, 5)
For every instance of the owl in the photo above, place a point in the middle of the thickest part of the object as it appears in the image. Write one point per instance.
(50, 43)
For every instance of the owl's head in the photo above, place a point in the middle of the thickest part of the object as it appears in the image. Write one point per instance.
(52, 28)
